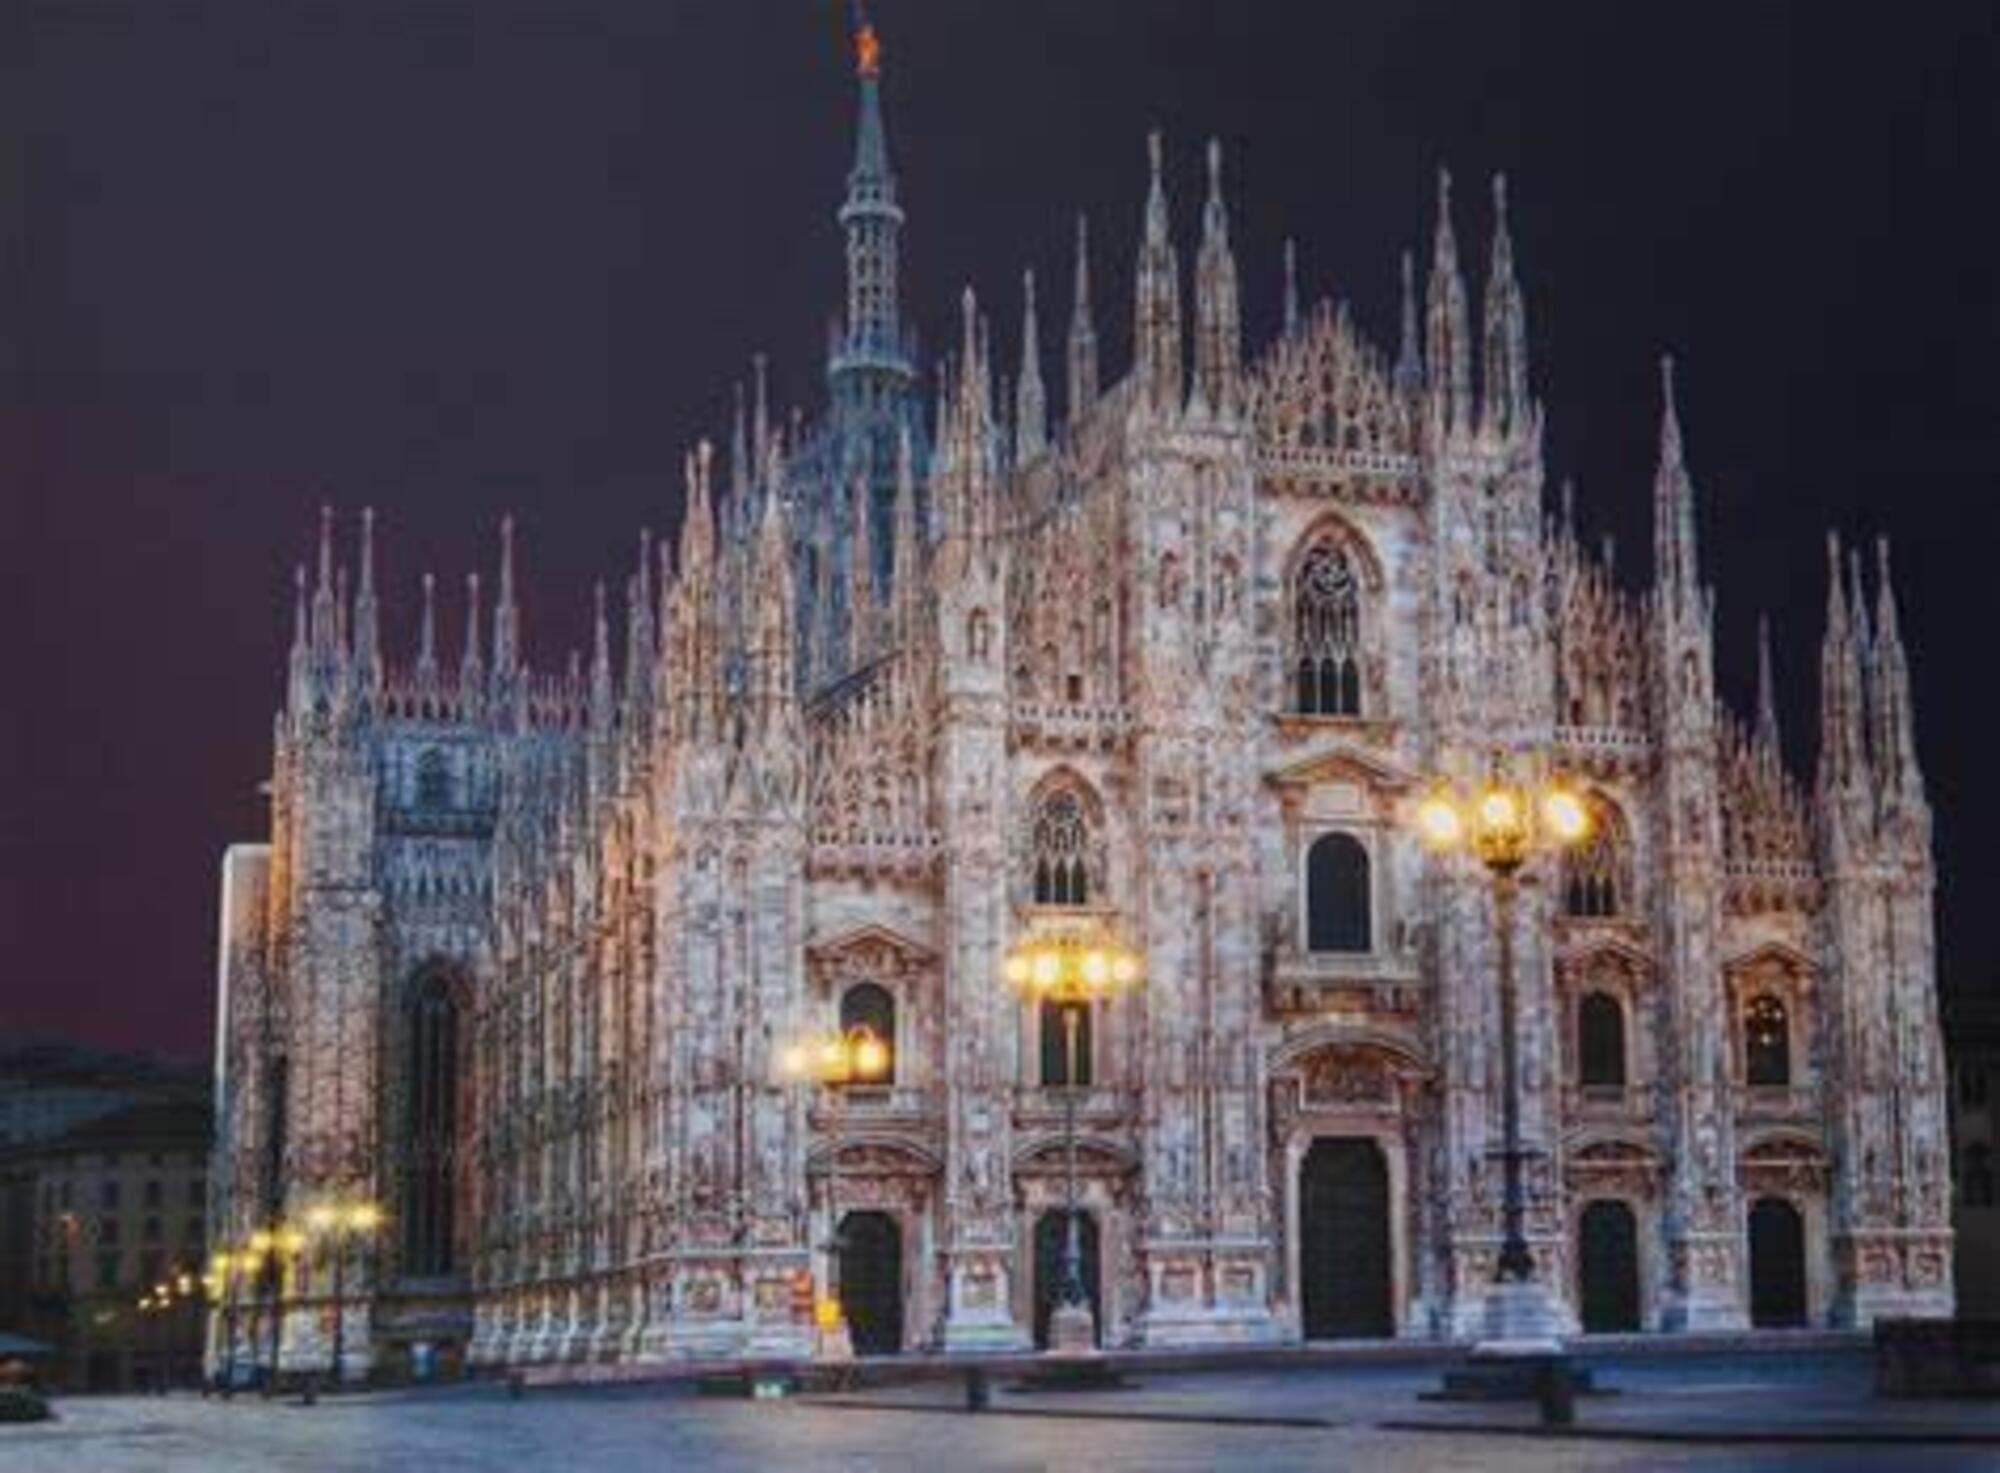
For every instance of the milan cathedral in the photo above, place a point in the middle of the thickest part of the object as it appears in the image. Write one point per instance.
(928, 674)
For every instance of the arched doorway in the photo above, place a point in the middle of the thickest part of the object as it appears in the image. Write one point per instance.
(1608, 1268)
(1344, 1240)
(1777, 1264)
(1050, 1229)
(871, 1281)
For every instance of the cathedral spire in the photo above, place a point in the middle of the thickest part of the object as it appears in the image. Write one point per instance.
(1448, 351)
(600, 664)
(1031, 406)
(325, 632)
(506, 614)
(1674, 566)
(299, 664)
(471, 668)
(1218, 344)
(1082, 332)
(427, 656)
(1409, 355)
(367, 667)
(1156, 353)
(739, 451)
(1895, 727)
(1843, 745)
(1291, 303)
(641, 637)
(1506, 370)
(1767, 696)
(760, 421)
(871, 352)
(773, 641)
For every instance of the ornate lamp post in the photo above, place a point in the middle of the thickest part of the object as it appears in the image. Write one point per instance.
(831, 1060)
(333, 1224)
(1503, 823)
(1072, 970)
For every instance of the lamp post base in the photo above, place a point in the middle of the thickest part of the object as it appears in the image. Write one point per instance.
(1519, 1318)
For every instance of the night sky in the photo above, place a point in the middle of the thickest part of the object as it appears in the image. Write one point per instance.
(456, 259)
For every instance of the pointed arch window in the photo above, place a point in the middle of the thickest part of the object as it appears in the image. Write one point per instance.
(432, 1130)
(1597, 873)
(1767, 1041)
(1326, 633)
(1600, 1041)
(1059, 839)
(1338, 910)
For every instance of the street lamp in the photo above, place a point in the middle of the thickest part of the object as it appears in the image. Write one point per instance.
(1071, 970)
(333, 1223)
(1503, 823)
(856, 1056)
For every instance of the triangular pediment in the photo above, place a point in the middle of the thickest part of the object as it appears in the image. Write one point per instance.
(1614, 949)
(866, 938)
(1342, 762)
(1771, 954)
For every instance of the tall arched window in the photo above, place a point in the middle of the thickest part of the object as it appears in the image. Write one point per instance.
(1596, 873)
(1055, 1047)
(1337, 900)
(1600, 1041)
(433, 1129)
(1767, 1041)
(1060, 841)
(1326, 633)
(869, 1005)
(433, 780)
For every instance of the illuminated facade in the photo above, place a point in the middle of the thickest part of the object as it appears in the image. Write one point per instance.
(919, 682)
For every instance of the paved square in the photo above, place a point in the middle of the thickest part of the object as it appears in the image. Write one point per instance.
(924, 1427)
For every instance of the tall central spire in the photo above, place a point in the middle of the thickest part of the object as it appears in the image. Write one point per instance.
(870, 351)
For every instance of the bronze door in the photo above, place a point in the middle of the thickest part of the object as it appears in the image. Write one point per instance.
(871, 1281)
(1344, 1240)
(1608, 1268)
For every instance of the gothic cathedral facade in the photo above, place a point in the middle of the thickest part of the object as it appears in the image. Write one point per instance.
(927, 675)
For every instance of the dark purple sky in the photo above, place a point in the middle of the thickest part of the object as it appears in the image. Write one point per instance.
(452, 259)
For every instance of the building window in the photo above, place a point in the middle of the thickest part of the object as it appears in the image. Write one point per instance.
(432, 1129)
(107, 1196)
(1337, 900)
(107, 1230)
(1600, 1041)
(107, 1270)
(1597, 873)
(153, 1230)
(1055, 1045)
(1326, 633)
(1060, 840)
(153, 1193)
(869, 1005)
(1767, 1041)
(433, 780)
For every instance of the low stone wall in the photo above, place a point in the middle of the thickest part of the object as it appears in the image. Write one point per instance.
(1958, 1357)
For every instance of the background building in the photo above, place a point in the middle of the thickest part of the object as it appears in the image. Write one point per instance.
(523, 951)
(1972, 1039)
(97, 1218)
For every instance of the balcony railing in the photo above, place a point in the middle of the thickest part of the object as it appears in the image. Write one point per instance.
(1387, 982)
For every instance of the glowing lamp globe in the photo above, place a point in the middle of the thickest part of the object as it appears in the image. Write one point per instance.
(1565, 815)
(1438, 822)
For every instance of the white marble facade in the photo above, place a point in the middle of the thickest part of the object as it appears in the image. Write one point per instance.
(521, 950)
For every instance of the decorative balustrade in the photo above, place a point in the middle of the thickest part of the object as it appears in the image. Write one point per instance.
(1387, 983)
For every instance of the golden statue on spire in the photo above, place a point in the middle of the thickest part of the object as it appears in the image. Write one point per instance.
(867, 52)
